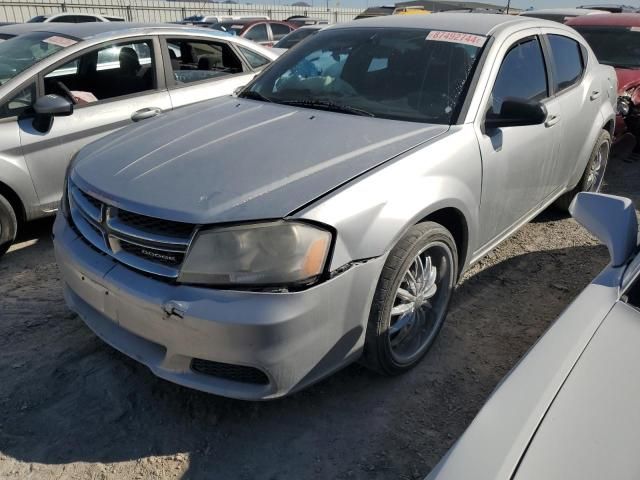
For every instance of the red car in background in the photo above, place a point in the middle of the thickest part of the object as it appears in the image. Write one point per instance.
(615, 39)
(264, 32)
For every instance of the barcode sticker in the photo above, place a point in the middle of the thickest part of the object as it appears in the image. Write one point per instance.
(457, 37)
(60, 41)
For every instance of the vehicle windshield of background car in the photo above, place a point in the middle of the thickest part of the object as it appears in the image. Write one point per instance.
(229, 27)
(23, 51)
(405, 74)
(615, 46)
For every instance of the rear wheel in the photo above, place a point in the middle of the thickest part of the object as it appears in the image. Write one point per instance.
(411, 299)
(593, 175)
(8, 225)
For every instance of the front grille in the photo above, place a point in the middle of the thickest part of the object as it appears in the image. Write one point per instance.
(236, 373)
(145, 243)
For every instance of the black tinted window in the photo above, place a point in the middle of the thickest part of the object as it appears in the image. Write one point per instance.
(257, 33)
(567, 61)
(615, 46)
(279, 30)
(522, 75)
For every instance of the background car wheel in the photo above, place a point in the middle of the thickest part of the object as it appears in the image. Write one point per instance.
(591, 180)
(411, 299)
(8, 225)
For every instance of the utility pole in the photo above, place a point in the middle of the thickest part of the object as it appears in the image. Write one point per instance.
(508, 6)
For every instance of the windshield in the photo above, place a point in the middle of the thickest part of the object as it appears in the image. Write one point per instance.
(232, 28)
(38, 19)
(404, 74)
(296, 37)
(615, 46)
(21, 52)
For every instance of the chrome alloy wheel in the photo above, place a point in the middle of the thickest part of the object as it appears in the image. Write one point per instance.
(597, 169)
(420, 303)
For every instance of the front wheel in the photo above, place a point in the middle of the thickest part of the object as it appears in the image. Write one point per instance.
(411, 300)
(593, 175)
(8, 225)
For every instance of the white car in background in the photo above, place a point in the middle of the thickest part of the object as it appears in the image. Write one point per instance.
(74, 17)
(569, 410)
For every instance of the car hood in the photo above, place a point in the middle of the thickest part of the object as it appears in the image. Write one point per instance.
(234, 159)
(627, 78)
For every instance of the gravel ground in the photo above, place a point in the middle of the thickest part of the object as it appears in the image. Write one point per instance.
(72, 407)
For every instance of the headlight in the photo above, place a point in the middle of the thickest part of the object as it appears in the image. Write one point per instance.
(274, 253)
(64, 203)
(624, 106)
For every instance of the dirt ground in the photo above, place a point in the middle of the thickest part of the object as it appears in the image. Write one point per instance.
(72, 407)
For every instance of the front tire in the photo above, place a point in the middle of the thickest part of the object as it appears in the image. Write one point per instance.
(411, 300)
(8, 225)
(593, 175)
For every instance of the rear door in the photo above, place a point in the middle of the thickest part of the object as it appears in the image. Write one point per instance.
(202, 68)
(579, 94)
(115, 84)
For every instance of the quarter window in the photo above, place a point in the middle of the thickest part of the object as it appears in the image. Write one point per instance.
(255, 60)
(19, 102)
(568, 64)
(522, 75)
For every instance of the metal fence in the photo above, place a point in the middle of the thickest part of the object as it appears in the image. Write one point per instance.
(161, 10)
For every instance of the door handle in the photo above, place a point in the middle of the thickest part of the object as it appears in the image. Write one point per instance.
(551, 120)
(145, 113)
(595, 95)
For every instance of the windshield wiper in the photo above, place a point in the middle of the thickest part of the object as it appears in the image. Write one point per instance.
(329, 106)
(253, 95)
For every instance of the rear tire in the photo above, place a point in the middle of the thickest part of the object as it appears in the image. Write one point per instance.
(8, 225)
(411, 300)
(593, 175)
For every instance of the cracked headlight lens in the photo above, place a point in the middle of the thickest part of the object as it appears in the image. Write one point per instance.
(270, 253)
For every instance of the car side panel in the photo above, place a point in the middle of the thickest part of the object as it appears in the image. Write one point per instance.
(372, 214)
(493, 445)
(13, 169)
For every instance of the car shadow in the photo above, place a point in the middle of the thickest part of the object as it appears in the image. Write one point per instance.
(66, 397)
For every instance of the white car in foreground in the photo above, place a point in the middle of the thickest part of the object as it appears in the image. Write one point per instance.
(569, 411)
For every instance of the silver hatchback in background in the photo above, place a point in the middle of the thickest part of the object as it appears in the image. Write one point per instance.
(251, 246)
(95, 78)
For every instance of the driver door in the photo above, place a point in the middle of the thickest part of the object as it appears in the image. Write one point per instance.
(116, 84)
(519, 163)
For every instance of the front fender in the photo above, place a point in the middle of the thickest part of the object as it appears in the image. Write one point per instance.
(373, 212)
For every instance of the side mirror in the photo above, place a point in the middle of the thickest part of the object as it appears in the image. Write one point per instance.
(517, 113)
(47, 107)
(611, 219)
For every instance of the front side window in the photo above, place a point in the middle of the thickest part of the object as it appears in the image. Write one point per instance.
(23, 51)
(396, 73)
(112, 71)
(618, 47)
(567, 61)
(522, 75)
(195, 60)
(257, 33)
(19, 102)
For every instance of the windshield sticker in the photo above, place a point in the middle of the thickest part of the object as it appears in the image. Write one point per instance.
(60, 41)
(457, 37)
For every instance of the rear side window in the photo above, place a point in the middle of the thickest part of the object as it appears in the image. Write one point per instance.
(279, 30)
(522, 75)
(567, 60)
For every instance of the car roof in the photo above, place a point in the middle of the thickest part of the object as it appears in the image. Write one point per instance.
(474, 23)
(566, 11)
(88, 30)
(616, 19)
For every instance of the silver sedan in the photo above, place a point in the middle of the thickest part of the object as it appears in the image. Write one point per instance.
(251, 246)
(109, 75)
